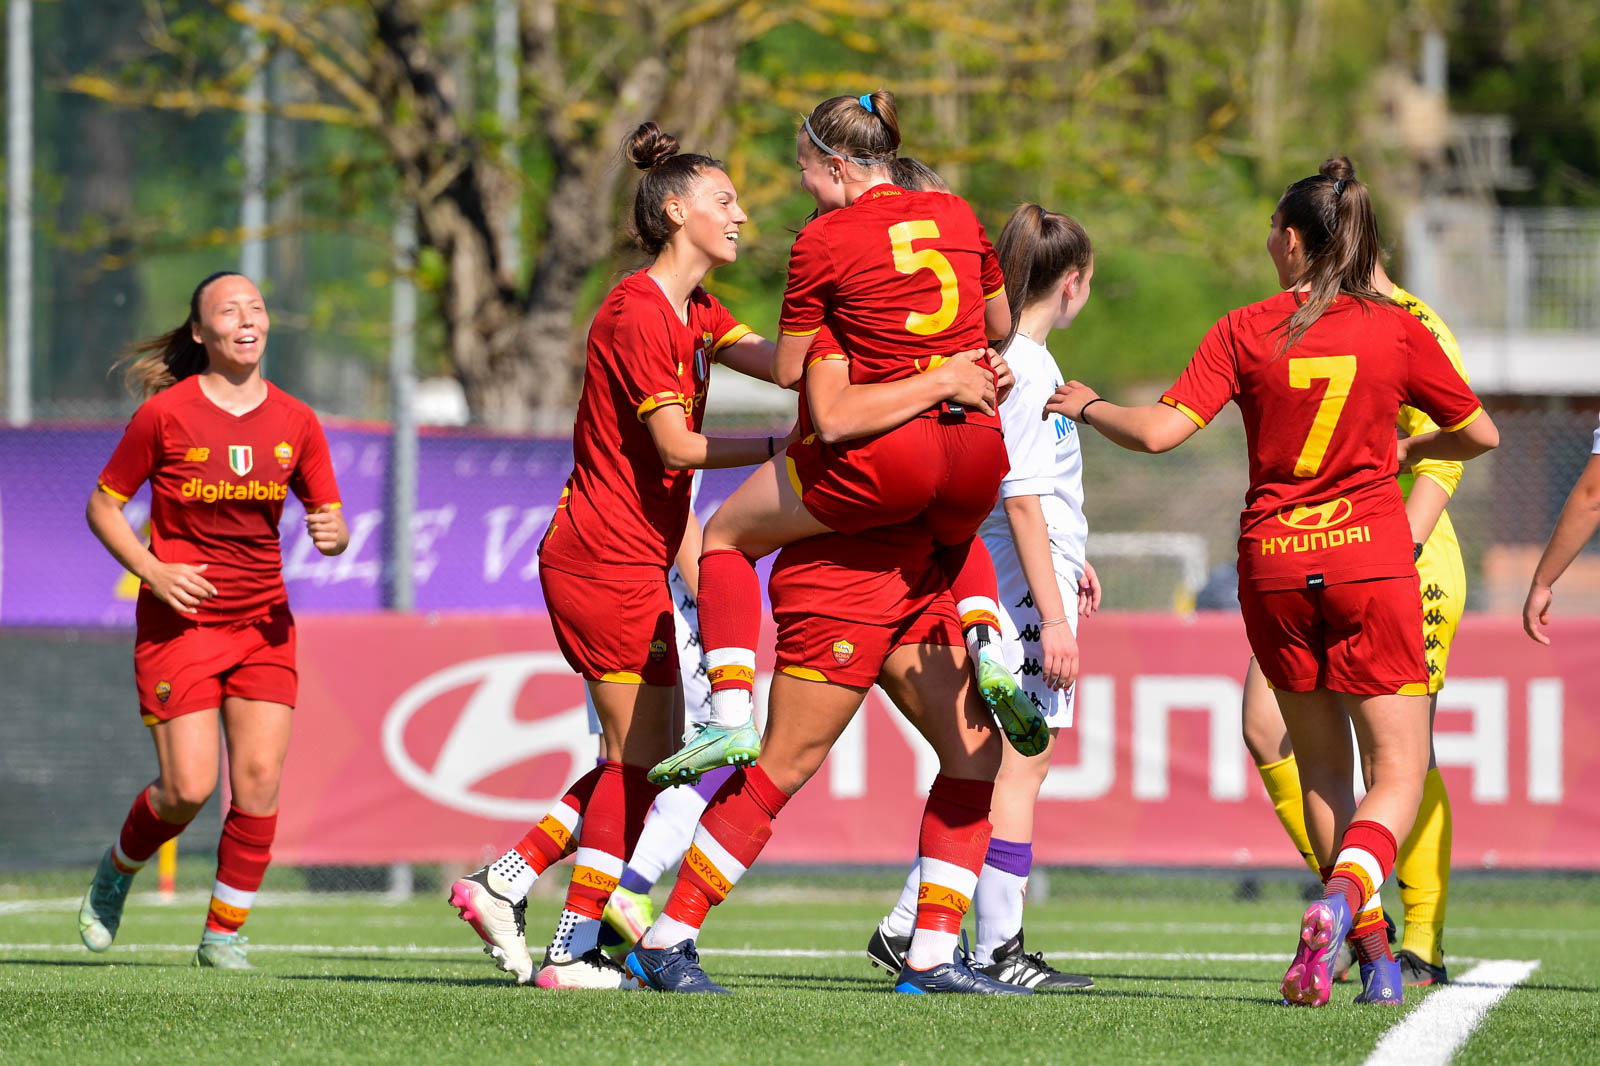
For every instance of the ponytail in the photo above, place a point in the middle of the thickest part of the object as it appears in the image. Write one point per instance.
(667, 174)
(1332, 212)
(1037, 248)
(160, 362)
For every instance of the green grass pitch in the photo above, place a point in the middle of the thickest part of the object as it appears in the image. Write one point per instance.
(1184, 972)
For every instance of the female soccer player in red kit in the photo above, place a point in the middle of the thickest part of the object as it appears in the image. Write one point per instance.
(903, 279)
(215, 645)
(1327, 583)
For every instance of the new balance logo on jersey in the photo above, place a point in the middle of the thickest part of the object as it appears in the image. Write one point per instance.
(1031, 668)
(1030, 633)
(213, 491)
(197, 455)
(1433, 592)
(1434, 617)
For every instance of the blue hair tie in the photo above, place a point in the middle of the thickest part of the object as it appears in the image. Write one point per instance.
(866, 102)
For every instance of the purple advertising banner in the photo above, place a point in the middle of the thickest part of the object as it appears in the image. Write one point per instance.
(483, 503)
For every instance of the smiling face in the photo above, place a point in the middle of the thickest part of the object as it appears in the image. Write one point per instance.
(232, 324)
(820, 176)
(710, 216)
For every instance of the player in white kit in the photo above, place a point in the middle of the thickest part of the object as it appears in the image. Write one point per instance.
(1037, 536)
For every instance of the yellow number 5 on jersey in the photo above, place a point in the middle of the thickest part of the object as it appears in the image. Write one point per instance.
(906, 261)
(1338, 371)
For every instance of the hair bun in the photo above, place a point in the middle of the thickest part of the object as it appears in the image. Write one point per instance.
(1338, 167)
(649, 145)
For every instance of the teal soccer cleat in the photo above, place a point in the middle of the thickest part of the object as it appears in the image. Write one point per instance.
(101, 912)
(1021, 722)
(222, 951)
(705, 748)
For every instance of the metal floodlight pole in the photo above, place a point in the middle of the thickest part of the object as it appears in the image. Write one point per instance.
(506, 87)
(19, 212)
(253, 194)
(400, 592)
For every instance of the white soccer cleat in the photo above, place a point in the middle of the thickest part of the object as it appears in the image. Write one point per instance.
(593, 969)
(497, 921)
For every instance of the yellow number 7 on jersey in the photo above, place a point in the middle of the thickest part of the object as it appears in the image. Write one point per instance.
(1338, 371)
(906, 261)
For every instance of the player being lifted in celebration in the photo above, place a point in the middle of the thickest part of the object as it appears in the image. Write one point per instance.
(1422, 865)
(1327, 581)
(215, 643)
(904, 279)
(1036, 536)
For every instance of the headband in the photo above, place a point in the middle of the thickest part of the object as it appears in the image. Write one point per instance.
(829, 151)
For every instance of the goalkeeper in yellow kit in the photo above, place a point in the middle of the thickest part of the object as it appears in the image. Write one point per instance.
(1422, 869)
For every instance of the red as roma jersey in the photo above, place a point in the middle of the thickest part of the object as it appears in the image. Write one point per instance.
(900, 277)
(622, 512)
(217, 486)
(1323, 505)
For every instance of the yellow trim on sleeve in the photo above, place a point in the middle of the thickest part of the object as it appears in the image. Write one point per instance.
(661, 399)
(794, 476)
(733, 336)
(1445, 474)
(801, 332)
(805, 673)
(109, 491)
(1001, 291)
(1465, 422)
(1196, 419)
(826, 357)
(622, 677)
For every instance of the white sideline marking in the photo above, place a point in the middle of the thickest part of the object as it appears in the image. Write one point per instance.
(294, 899)
(1430, 1035)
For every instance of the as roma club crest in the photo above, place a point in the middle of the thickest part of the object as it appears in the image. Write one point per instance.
(240, 459)
(284, 454)
(842, 650)
(163, 690)
(658, 650)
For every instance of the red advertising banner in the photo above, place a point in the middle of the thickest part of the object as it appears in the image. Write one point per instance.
(442, 738)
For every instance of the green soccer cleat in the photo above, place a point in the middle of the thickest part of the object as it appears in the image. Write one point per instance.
(101, 912)
(1021, 722)
(222, 951)
(628, 914)
(705, 748)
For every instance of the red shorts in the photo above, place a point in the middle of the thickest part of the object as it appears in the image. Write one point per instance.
(180, 666)
(619, 631)
(1360, 637)
(814, 647)
(942, 471)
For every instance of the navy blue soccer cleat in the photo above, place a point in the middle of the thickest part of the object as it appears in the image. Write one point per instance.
(674, 969)
(957, 976)
(1381, 982)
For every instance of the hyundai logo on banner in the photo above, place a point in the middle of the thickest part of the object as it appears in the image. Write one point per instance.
(486, 736)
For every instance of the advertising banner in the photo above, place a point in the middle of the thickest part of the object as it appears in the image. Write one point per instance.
(443, 738)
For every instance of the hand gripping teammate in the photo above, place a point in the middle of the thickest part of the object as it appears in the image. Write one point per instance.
(1577, 523)
(1327, 581)
(903, 279)
(215, 642)
(1036, 536)
(1422, 865)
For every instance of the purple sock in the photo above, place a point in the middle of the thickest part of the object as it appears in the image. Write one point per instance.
(709, 783)
(1010, 856)
(634, 883)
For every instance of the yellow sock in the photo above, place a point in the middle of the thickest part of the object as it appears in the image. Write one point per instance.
(1423, 873)
(1282, 779)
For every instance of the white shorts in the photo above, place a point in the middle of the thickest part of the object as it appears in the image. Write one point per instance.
(691, 662)
(1019, 632)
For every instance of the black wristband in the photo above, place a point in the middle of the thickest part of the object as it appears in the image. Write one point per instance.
(770, 450)
(1083, 412)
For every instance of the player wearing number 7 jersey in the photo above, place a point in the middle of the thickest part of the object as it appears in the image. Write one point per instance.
(1327, 583)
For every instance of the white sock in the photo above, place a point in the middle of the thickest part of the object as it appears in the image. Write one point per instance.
(575, 935)
(731, 707)
(998, 903)
(930, 948)
(902, 921)
(669, 932)
(667, 831)
(511, 876)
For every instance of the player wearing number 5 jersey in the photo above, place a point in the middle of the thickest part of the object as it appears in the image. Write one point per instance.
(1327, 583)
(903, 279)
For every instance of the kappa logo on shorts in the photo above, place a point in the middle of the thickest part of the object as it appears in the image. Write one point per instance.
(1317, 516)
(658, 650)
(240, 459)
(1433, 592)
(284, 453)
(1434, 617)
(163, 690)
(1031, 633)
(842, 650)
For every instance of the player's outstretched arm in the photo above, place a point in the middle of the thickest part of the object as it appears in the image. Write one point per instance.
(180, 586)
(1465, 442)
(843, 411)
(753, 356)
(1578, 522)
(1152, 428)
(681, 448)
